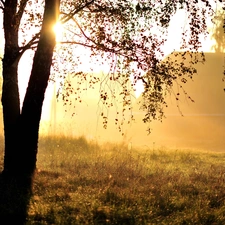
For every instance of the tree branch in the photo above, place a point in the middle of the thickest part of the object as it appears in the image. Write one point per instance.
(19, 13)
(70, 15)
(29, 44)
(76, 43)
(71, 31)
(99, 46)
(3, 3)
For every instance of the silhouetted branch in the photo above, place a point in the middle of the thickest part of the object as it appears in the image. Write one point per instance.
(2, 4)
(29, 44)
(21, 10)
(76, 43)
(71, 15)
(99, 46)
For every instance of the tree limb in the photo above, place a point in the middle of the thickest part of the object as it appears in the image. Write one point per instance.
(99, 46)
(69, 30)
(2, 2)
(19, 13)
(77, 43)
(70, 15)
(85, 45)
(29, 44)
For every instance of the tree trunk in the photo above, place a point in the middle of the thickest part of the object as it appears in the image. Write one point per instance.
(21, 128)
(10, 92)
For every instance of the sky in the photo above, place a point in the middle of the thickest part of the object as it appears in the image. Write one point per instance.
(200, 127)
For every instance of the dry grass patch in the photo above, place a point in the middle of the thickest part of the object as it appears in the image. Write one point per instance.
(79, 182)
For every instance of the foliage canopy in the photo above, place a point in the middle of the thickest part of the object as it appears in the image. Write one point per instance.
(127, 36)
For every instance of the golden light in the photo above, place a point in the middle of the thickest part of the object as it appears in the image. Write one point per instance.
(58, 29)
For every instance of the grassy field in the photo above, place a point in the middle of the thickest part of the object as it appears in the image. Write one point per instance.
(79, 182)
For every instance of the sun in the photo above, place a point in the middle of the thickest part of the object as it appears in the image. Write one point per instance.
(139, 88)
(58, 29)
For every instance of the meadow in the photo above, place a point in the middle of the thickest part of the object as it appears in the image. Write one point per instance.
(81, 182)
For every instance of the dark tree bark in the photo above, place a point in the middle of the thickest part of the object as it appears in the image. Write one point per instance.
(21, 127)
(10, 92)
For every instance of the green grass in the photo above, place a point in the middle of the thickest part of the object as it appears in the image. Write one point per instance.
(79, 182)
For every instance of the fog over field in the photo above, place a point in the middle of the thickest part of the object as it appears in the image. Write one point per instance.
(202, 125)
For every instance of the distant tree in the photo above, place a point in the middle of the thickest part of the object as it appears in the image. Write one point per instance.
(218, 32)
(128, 35)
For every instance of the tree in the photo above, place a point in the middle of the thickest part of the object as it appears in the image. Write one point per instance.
(21, 127)
(127, 35)
(218, 33)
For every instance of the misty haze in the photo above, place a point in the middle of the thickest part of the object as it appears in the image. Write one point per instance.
(194, 125)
